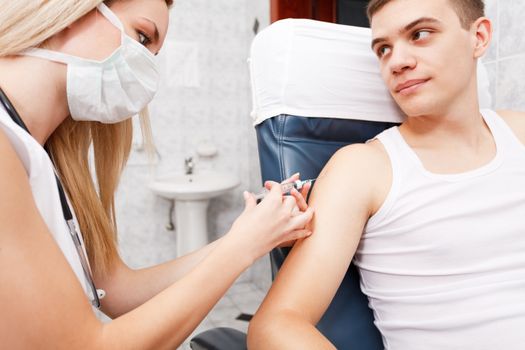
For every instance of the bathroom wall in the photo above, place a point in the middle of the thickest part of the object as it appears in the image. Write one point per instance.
(259, 273)
(505, 63)
(204, 97)
(505, 60)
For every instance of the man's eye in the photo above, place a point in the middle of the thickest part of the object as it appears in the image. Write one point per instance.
(144, 39)
(421, 34)
(383, 50)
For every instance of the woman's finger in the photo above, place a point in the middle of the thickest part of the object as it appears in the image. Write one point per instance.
(289, 203)
(302, 219)
(249, 200)
(298, 234)
(292, 178)
(306, 188)
(269, 184)
(301, 201)
(275, 190)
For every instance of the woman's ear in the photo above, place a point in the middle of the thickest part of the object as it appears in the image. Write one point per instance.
(482, 35)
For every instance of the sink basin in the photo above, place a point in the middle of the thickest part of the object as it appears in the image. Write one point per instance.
(195, 186)
(190, 196)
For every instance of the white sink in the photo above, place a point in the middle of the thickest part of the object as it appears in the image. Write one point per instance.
(191, 195)
(195, 186)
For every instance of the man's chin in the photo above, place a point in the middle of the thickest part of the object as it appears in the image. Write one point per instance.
(416, 106)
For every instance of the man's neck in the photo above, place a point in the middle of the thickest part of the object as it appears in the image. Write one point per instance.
(457, 122)
(451, 142)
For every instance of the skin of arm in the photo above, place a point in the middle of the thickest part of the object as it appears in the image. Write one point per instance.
(148, 282)
(43, 304)
(349, 190)
(352, 187)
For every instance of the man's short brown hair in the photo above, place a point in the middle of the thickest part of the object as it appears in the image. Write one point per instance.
(468, 10)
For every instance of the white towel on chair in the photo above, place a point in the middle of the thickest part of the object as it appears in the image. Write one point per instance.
(318, 69)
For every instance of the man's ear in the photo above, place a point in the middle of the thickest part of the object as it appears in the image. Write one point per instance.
(482, 35)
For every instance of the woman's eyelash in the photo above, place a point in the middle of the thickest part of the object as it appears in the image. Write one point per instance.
(143, 38)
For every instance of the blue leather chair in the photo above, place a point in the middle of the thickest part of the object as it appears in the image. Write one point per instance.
(290, 142)
(303, 143)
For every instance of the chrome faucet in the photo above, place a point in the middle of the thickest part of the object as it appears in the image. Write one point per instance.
(189, 165)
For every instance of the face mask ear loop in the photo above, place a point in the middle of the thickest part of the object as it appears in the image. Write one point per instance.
(110, 16)
(51, 55)
(113, 19)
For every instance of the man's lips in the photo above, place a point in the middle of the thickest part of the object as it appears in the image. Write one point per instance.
(410, 85)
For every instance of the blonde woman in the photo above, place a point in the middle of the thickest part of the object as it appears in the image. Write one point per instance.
(72, 72)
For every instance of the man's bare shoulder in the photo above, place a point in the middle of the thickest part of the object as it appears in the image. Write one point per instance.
(361, 170)
(363, 157)
(516, 121)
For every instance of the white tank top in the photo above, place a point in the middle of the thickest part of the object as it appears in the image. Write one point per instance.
(41, 175)
(443, 259)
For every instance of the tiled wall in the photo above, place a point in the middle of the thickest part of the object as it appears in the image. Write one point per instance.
(204, 97)
(505, 60)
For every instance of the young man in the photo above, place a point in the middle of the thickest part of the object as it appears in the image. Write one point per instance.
(432, 212)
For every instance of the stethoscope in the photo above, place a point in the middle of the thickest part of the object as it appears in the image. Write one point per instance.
(68, 216)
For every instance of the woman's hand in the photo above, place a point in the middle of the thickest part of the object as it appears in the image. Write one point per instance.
(275, 221)
(299, 196)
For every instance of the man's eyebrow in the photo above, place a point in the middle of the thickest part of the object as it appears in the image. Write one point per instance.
(408, 27)
(411, 25)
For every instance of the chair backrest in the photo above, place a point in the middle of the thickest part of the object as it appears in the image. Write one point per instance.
(316, 88)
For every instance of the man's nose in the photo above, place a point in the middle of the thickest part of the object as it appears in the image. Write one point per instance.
(401, 60)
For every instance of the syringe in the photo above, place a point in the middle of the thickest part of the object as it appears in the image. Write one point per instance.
(286, 188)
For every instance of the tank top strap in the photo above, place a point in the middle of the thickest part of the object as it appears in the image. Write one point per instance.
(504, 136)
(398, 151)
(400, 165)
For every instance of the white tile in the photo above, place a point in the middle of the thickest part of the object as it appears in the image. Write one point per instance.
(219, 315)
(249, 302)
(218, 109)
(184, 346)
(511, 27)
(240, 288)
(236, 324)
(492, 70)
(205, 325)
(491, 11)
(511, 86)
(224, 302)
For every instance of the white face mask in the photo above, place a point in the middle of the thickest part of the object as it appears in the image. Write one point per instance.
(111, 90)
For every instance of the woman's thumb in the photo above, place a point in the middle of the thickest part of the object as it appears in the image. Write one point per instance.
(249, 200)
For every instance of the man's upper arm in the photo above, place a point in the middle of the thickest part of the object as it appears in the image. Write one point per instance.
(343, 198)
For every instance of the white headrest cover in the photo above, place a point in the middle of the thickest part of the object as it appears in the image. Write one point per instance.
(317, 69)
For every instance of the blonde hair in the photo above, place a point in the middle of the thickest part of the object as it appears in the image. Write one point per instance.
(25, 24)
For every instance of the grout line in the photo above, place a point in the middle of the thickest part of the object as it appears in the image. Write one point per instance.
(486, 63)
(498, 16)
(496, 88)
(514, 56)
